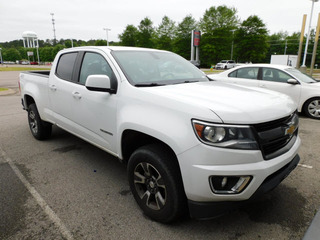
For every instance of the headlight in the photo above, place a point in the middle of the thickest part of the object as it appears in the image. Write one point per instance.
(227, 136)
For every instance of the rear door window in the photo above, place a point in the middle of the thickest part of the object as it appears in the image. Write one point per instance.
(65, 66)
(248, 73)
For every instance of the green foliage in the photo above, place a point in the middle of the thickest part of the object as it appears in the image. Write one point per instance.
(101, 43)
(221, 17)
(145, 34)
(56, 49)
(251, 40)
(165, 34)
(46, 54)
(129, 36)
(217, 25)
(11, 54)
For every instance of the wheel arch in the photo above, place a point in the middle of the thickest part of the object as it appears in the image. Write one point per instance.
(28, 100)
(132, 140)
(304, 105)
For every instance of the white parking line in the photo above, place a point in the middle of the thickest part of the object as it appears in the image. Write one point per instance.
(305, 166)
(42, 203)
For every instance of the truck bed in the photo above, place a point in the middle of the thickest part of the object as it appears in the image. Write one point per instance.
(44, 73)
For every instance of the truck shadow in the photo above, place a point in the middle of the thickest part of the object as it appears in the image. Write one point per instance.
(283, 206)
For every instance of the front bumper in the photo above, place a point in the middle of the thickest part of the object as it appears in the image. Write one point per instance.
(207, 210)
(201, 162)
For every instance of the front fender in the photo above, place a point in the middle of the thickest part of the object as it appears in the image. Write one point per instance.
(174, 129)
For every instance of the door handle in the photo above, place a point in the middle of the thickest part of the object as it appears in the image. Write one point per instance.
(53, 87)
(76, 95)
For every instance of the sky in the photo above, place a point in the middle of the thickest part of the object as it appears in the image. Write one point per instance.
(85, 19)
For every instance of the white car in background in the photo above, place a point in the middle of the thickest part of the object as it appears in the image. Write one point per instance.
(303, 89)
(225, 64)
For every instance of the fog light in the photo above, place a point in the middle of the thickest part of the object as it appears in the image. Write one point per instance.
(229, 184)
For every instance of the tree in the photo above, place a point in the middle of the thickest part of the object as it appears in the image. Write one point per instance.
(56, 49)
(101, 42)
(182, 41)
(145, 34)
(46, 54)
(11, 54)
(129, 36)
(251, 40)
(216, 26)
(165, 34)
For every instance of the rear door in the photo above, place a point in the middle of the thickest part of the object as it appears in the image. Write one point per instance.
(61, 86)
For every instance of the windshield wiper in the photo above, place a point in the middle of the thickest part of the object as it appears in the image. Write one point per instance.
(188, 81)
(148, 84)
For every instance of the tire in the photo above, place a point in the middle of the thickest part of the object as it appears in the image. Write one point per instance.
(312, 108)
(156, 183)
(40, 129)
(225, 67)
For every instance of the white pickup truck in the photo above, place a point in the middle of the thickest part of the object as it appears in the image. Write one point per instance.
(187, 146)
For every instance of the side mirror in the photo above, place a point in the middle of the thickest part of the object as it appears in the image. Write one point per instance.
(292, 81)
(99, 83)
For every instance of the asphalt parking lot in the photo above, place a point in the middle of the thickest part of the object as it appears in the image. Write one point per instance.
(65, 188)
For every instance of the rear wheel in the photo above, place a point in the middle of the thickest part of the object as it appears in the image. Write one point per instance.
(156, 184)
(39, 129)
(312, 108)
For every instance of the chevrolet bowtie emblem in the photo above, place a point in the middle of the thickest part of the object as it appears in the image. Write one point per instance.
(290, 130)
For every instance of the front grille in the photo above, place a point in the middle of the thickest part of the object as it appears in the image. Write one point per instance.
(277, 137)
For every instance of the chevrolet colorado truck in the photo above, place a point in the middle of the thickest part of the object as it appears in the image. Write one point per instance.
(188, 147)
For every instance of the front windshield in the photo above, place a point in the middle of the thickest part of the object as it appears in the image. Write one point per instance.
(153, 68)
(300, 76)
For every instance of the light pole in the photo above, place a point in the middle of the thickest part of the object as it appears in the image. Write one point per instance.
(308, 36)
(1, 56)
(107, 30)
(232, 43)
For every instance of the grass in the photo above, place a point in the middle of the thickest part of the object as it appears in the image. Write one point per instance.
(3, 89)
(8, 69)
(212, 71)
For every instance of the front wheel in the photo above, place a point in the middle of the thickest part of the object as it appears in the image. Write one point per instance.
(39, 129)
(156, 184)
(312, 108)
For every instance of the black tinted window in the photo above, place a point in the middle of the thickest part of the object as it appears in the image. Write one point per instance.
(65, 66)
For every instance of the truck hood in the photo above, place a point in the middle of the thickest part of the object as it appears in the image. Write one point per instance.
(232, 103)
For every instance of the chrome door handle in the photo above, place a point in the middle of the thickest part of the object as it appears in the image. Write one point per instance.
(53, 87)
